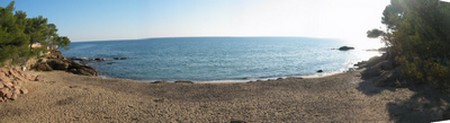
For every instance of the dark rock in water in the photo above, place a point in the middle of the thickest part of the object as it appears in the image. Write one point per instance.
(58, 64)
(99, 59)
(81, 69)
(280, 78)
(187, 82)
(319, 71)
(43, 67)
(121, 58)
(79, 59)
(345, 48)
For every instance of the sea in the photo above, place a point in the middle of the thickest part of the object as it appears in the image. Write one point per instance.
(217, 59)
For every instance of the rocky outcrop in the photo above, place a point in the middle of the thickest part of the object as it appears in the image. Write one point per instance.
(383, 71)
(81, 69)
(55, 61)
(345, 48)
(319, 71)
(11, 81)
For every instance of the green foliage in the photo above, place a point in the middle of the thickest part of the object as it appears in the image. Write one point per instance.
(418, 33)
(374, 33)
(18, 33)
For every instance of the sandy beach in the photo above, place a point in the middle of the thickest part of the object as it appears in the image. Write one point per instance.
(65, 97)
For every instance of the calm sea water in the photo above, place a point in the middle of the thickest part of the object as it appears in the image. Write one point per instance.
(210, 59)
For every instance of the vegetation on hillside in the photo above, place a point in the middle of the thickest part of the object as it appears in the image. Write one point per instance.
(18, 33)
(418, 37)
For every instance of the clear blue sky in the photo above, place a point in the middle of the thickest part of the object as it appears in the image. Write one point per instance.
(84, 20)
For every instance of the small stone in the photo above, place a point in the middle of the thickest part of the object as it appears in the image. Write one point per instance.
(9, 95)
(17, 91)
(4, 91)
(37, 78)
(23, 91)
(8, 85)
(14, 97)
(319, 71)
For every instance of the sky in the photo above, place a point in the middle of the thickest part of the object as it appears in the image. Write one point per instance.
(89, 20)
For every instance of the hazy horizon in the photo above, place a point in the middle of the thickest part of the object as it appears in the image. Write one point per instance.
(100, 20)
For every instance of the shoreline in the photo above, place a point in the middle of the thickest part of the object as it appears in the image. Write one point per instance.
(78, 98)
(312, 76)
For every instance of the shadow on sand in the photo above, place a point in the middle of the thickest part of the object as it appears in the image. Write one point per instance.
(426, 105)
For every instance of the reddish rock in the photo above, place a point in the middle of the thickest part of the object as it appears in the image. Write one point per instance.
(4, 91)
(14, 97)
(8, 84)
(23, 91)
(9, 95)
(37, 78)
(17, 91)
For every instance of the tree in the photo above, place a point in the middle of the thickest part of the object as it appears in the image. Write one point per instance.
(18, 33)
(417, 34)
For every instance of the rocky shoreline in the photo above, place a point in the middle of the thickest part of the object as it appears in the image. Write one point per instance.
(79, 98)
(56, 61)
(11, 83)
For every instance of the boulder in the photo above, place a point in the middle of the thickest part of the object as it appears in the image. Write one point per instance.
(58, 64)
(81, 69)
(345, 48)
(43, 67)
(319, 71)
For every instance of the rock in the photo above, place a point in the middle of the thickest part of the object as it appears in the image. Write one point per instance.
(79, 59)
(43, 67)
(120, 58)
(157, 82)
(23, 91)
(345, 48)
(99, 59)
(81, 69)
(4, 91)
(13, 97)
(280, 78)
(8, 95)
(319, 71)
(16, 91)
(58, 64)
(7, 84)
(187, 82)
(37, 78)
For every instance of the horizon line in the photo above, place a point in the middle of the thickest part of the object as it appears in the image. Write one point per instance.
(164, 37)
